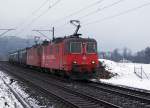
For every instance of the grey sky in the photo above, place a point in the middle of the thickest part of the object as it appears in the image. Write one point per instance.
(129, 30)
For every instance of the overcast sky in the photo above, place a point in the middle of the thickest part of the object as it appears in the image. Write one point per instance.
(130, 30)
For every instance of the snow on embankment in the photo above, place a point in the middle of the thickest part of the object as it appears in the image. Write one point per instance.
(126, 76)
(7, 99)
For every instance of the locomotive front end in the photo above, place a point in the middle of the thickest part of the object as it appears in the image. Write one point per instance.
(83, 58)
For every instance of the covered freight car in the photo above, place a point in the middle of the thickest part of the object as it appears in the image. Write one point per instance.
(22, 56)
(14, 57)
(18, 57)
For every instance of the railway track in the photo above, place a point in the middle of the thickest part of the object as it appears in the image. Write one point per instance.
(141, 98)
(104, 94)
(123, 98)
(136, 94)
(71, 96)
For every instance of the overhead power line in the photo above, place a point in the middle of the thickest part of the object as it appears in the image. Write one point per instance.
(96, 11)
(50, 30)
(5, 31)
(35, 11)
(43, 13)
(79, 11)
(100, 9)
(43, 4)
(119, 14)
(35, 19)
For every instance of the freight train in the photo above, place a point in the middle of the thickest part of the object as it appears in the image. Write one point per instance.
(72, 56)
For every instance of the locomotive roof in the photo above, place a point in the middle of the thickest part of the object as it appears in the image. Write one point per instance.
(73, 38)
(81, 39)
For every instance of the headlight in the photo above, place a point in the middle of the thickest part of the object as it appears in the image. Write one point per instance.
(74, 62)
(93, 62)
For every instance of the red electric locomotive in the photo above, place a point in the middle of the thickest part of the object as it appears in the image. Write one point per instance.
(73, 56)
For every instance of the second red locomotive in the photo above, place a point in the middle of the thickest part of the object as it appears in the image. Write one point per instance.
(72, 56)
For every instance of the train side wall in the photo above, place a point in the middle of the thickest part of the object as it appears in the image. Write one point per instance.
(34, 57)
(52, 56)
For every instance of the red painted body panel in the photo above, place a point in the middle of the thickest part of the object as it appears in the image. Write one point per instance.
(33, 57)
(52, 59)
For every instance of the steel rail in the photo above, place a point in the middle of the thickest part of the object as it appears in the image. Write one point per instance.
(132, 93)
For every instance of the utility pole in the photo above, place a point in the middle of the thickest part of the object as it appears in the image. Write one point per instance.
(5, 31)
(53, 31)
(40, 32)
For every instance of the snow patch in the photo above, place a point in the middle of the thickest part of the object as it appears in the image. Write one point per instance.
(7, 99)
(8, 95)
(126, 75)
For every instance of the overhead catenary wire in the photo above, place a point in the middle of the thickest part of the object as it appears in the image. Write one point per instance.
(33, 13)
(35, 19)
(79, 11)
(96, 11)
(118, 14)
(40, 32)
(105, 18)
(72, 14)
(100, 9)
(5, 31)
(76, 12)
(115, 15)
(43, 4)
(43, 13)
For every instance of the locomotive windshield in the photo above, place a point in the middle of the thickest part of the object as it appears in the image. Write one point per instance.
(81, 46)
(91, 47)
(75, 47)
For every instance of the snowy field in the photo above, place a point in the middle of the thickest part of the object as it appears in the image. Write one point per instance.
(126, 74)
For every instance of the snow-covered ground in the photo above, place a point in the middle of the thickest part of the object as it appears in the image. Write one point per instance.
(126, 74)
(7, 98)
